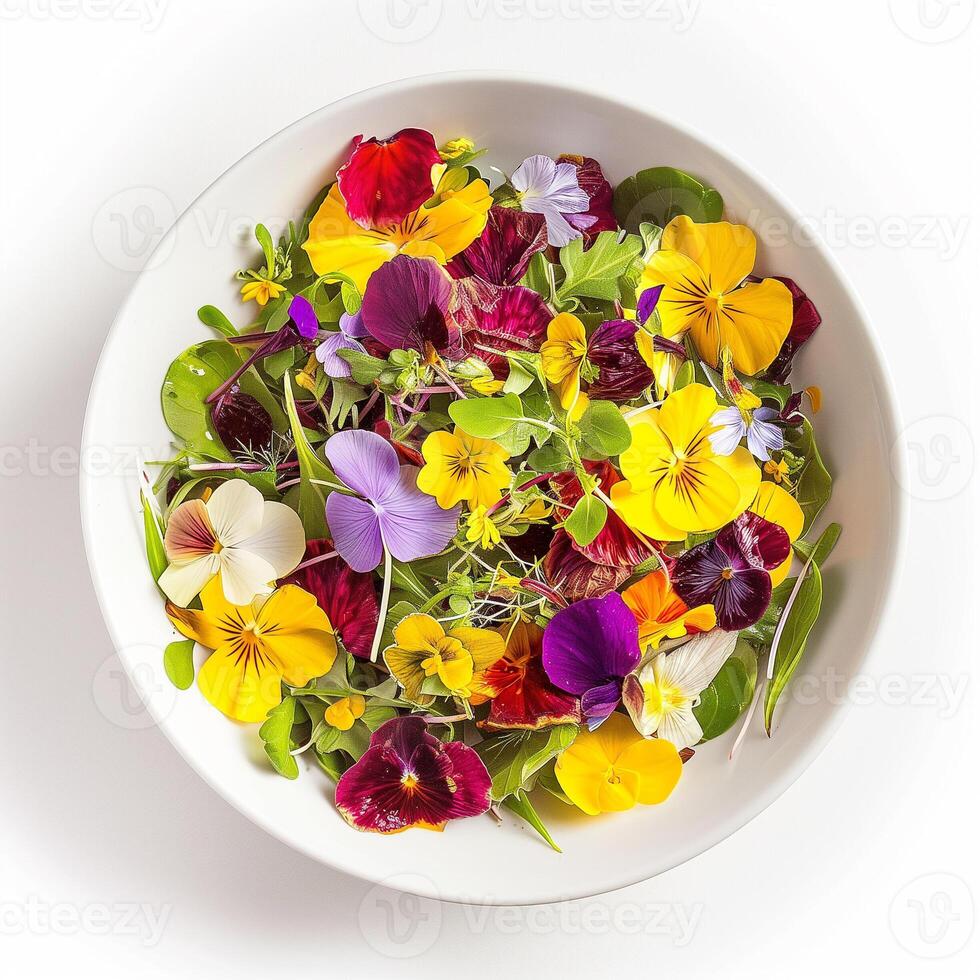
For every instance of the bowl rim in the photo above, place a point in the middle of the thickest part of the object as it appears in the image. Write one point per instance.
(888, 403)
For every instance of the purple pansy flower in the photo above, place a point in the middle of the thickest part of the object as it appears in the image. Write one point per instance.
(552, 189)
(346, 338)
(587, 650)
(390, 513)
(623, 374)
(408, 778)
(300, 328)
(763, 435)
(732, 571)
(406, 305)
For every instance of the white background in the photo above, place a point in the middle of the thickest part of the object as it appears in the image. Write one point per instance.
(114, 856)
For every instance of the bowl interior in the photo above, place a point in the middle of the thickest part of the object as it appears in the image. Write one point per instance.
(193, 267)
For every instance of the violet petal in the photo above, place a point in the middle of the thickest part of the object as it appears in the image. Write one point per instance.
(355, 530)
(364, 461)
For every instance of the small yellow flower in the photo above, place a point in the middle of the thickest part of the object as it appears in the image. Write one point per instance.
(562, 357)
(487, 385)
(460, 467)
(778, 471)
(343, 713)
(536, 511)
(423, 649)
(307, 377)
(615, 767)
(505, 580)
(456, 148)
(480, 527)
(261, 290)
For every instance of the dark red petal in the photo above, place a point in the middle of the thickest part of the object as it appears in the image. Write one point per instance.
(525, 697)
(574, 576)
(501, 255)
(623, 374)
(741, 600)
(762, 543)
(385, 180)
(592, 180)
(698, 573)
(806, 319)
(241, 423)
(347, 597)
(517, 321)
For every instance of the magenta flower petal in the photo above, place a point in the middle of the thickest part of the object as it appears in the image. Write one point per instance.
(409, 778)
(384, 180)
(413, 525)
(762, 543)
(501, 255)
(517, 321)
(364, 461)
(405, 306)
(574, 575)
(356, 532)
(599, 192)
(592, 644)
(806, 319)
(623, 374)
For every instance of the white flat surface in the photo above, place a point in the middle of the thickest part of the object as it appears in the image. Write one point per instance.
(115, 856)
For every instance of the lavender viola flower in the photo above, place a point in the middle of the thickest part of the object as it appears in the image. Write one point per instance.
(587, 650)
(732, 571)
(346, 338)
(757, 426)
(390, 516)
(552, 189)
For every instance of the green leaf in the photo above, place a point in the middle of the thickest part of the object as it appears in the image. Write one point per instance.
(792, 641)
(660, 194)
(541, 277)
(268, 247)
(587, 519)
(521, 805)
(595, 273)
(212, 317)
(178, 663)
(604, 430)
(813, 482)
(156, 554)
(512, 759)
(730, 693)
(312, 498)
(549, 459)
(487, 418)
(364, 368)
(351, 298)
(684, 376)
(275, 734)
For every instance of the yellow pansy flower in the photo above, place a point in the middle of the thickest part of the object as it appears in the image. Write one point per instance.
(423, 649)
(615, 767)
(285, 636)
(663, 364)
(336, 243)
(461, 467)
(261, 290)
(701, 267)
(343, 713)
(675, 482)
(779, 507)
(480, 527)
(562, 357)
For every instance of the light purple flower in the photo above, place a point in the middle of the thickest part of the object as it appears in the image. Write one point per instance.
(763, 435)
(552, 189)
(346, 338)
(587, 650)
(390, 512)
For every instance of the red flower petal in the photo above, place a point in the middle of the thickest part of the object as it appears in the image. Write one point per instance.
(408, 778)
(623, 374)
(383, 181)
(574, 576)
(347, 597)
(806, 319)
(501, 255)
(592, 180)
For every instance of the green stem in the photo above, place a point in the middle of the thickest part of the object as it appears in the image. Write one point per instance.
(383, 609)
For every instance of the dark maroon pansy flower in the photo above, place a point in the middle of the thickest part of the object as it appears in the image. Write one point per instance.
(241, 423)
(623, 374)
(516, 321)
(408, 778)
(383, 181)
(732, 571)
(501, 255)
(616, 544)
(587, 650)
(347, 597)
(406, 305)
(574, 576)
(592, 180)
(806, 319)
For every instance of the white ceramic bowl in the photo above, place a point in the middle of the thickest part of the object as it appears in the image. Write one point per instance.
(475, 859)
